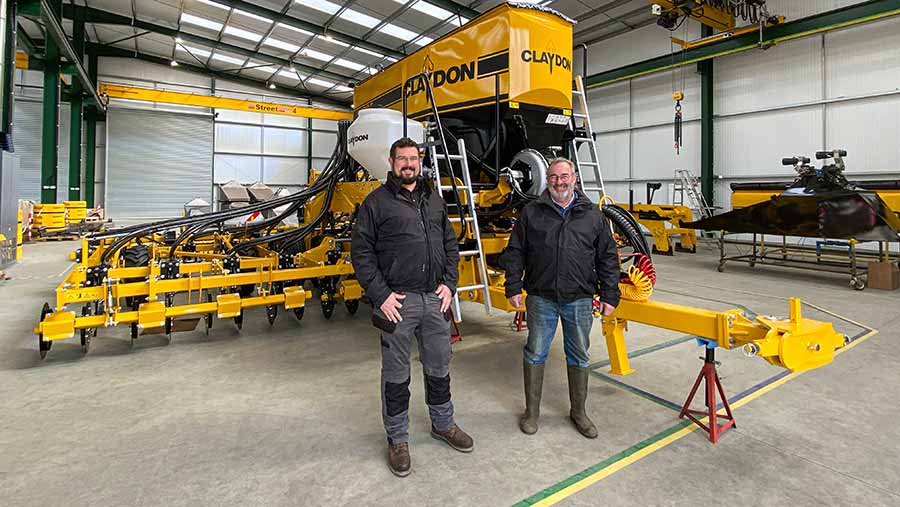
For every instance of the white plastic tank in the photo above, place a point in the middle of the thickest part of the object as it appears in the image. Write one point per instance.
(373, 132)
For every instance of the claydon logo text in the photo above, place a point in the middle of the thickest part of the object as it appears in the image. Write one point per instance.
(549, 58)
(355, 139)
(440, 77)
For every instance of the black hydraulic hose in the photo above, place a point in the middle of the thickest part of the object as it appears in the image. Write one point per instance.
(208, 218)
(336, 155)
(204, 221)
(293, 234)
(192, 221)
(628, 226)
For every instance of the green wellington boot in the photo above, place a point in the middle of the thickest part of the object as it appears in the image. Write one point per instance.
(534, 382)
(578, 386)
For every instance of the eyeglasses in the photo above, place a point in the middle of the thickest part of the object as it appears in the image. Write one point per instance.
(405, 159)
(561, 177)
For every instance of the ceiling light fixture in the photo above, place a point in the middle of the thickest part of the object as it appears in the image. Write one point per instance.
(173, 63)
(271, 86)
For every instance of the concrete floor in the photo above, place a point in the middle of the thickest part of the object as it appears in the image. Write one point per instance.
(289, 414)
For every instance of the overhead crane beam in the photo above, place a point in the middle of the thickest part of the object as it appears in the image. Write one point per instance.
(192, 99)
(705, 14)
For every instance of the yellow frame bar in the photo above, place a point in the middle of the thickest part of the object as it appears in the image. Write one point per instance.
(192, 99)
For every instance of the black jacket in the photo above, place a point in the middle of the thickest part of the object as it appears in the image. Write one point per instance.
(562, 259)
(403, 246)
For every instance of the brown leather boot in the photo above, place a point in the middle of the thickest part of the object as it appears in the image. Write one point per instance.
(455, 438)
(398, 459)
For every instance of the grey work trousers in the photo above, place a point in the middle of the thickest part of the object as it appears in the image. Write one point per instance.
(422, 319)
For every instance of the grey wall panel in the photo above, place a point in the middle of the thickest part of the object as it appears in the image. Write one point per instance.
(753, 145)
(864, 59)
(609, 107)
(323, 144)
(651, 97)
(238, 138)
(653, 152)
(789, 73)
(283, 141)
(156, 162)
(285, 171)
(240, 168)
(614, 156)
(870, 132)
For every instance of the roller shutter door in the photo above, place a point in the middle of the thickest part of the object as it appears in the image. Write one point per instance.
(28, 116)
(156, 162)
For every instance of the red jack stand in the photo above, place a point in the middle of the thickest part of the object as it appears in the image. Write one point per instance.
(519, 322)
(708, 373)
(455, 335)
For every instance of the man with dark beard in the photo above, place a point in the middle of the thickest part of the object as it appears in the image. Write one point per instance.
(405, 254)
(563, 246)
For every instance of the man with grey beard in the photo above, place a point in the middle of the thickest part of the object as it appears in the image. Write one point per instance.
(561, 252)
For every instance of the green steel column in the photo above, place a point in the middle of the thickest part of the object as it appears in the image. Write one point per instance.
(90, 136)
(8, 69)
(90, 154)
(707, 167)
(76, 103)
(50, 127)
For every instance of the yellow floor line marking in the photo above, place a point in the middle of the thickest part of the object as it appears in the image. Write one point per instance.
(650, 449)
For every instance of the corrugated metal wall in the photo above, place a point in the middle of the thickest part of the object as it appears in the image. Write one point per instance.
(156, 162)
(836, 90)
(636, 138)
(272, 149)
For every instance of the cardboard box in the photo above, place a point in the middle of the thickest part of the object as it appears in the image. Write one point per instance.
(884, 275)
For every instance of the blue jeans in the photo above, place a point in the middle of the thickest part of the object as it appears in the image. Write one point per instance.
(543, 318)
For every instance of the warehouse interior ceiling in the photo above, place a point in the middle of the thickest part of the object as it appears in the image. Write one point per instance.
(320, 48)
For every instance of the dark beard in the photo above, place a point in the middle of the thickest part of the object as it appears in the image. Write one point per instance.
(405, 180)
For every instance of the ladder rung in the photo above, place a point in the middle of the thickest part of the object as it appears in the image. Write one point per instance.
(452, 157)
(583, 139)
(579, 115)
(469, 253)
(592, 189)
(576, 92)
(456, 220)
(469, 287)
(587, 163)
(458, 187)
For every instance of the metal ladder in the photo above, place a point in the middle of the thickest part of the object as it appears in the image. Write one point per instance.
(687, 183)
(470, 221)
(580, 112)
(437, 139)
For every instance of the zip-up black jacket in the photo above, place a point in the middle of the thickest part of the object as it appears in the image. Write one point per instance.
(403, 246)
(563, 259)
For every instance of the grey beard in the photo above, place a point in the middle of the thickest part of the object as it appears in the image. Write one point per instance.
(560, 197)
